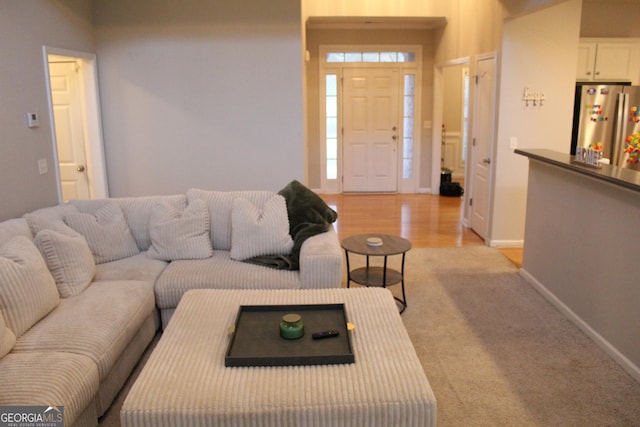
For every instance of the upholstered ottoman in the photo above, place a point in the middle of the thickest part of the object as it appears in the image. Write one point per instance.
(185, 381)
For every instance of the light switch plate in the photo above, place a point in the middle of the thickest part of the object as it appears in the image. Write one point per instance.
(32, 120)
(513, 142)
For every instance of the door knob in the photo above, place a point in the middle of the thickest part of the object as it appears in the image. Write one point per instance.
(486, 161)
(80, 168)
(394, 137)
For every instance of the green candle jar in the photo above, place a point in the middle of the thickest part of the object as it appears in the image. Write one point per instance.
(291, 326)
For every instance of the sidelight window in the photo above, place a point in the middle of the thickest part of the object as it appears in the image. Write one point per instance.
(407, 128)
(331, 117)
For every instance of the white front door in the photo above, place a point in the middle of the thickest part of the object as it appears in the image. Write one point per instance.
(484, 119)
(67, 109)
(370, 124)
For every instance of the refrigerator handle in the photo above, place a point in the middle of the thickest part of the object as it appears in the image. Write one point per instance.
(620, 128)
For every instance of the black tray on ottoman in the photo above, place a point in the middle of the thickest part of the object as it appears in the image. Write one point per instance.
(256, 340)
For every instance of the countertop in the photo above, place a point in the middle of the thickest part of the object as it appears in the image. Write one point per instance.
(626, 178)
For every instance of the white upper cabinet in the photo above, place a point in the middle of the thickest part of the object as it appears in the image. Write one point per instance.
(611, 60)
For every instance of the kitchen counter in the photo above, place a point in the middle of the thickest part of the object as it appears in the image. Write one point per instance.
(626, 178)
(581, 246)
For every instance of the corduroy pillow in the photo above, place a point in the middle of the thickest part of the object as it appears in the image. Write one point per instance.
(179, 234)
(68, 257)
(106, 232)
(7, 338)
(27, 290)
(257, 232)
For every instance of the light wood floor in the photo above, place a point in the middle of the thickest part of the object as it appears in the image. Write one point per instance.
(426, 220)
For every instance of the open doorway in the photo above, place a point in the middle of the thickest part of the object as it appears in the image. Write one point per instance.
(455, 120)
(74, 110)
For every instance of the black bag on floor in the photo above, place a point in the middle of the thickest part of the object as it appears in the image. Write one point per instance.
(451, 189)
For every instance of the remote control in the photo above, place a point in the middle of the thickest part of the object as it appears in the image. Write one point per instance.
(325, 334)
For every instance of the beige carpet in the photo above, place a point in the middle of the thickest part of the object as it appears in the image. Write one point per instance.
(497, 353)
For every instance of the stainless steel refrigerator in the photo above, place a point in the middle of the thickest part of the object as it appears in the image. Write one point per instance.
(607, 117)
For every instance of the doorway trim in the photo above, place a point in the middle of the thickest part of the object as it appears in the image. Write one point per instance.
(438, 115)
(405, 185)
(92, 124)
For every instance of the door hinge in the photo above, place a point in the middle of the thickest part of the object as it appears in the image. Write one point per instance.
(471, 201)
(476, 76)
(474, 142)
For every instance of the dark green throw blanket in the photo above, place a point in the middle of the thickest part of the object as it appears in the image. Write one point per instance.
(308, 215)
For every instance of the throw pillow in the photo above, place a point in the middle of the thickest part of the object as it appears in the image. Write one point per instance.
(256, 232)
(179, 234)
(68, 258)
(106, 232)
(7, 338)
(27, 290)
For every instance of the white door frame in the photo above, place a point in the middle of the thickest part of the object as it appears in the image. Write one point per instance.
(409, 185)
(438, 103)
(492, 147)
(94, 144)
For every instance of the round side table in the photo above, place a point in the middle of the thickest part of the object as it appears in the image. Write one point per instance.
(375, 275)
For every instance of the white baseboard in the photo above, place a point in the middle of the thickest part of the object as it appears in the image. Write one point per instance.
(424, 190)
(613, 352)
(506, 243)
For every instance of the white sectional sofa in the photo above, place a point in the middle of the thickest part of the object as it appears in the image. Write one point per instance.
(85, 286)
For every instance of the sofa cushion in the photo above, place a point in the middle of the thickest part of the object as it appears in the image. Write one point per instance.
(67, 255)
(138, 267)
(12, 228)
(137, 211)
(49, 378)
(257, 231)
(98, 323)
(53, 213)
(27, 290)
(220, 204)
(106, 232)
(180, 234)
(218, 272)
(7, 338)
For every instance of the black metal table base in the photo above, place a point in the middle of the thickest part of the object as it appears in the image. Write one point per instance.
(378, 276)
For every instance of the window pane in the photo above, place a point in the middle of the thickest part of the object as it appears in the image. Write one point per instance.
(407, 148)
(406, 57)
(332, 106)
(332, 169)
(407, 168)
(408, 105)
(331, 83)
(409, 84)
(353, 57)
(335, 57)
(371, 56)
(408, 127)
(332, 148)
(388, 57)
(332, 127)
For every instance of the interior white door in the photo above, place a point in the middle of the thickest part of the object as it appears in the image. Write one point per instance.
(67, 109)
(484, 119)
(370, 125)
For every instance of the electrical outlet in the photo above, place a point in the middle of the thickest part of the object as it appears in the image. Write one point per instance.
(42, 166)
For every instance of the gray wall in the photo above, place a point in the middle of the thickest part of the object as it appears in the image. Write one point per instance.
(581, 251)
(25, 26)
(200, 94)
